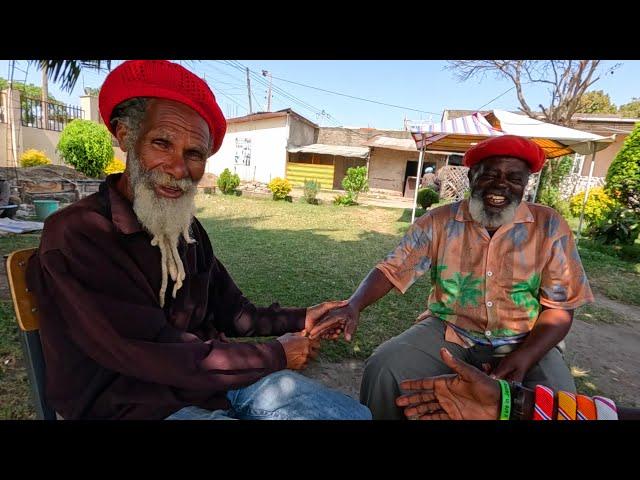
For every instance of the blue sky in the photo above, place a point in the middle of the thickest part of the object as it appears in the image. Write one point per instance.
(423, 85)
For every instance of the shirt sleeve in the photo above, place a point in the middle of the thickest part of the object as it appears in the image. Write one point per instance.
(563, 282)
(412, 257)
(236, 316)
(116, 326)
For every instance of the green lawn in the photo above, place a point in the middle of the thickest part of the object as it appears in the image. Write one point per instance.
(299, 255)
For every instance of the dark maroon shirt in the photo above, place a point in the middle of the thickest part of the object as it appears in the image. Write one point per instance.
(111, 351)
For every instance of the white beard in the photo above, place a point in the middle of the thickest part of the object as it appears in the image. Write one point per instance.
(488, 220)
(166, 219)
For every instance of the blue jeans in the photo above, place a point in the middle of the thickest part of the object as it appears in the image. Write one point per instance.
(284, 395)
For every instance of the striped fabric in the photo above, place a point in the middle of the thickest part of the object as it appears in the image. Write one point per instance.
(606, 408)
(586, 408)
(567, 406)
(543, 408)
(474, 124)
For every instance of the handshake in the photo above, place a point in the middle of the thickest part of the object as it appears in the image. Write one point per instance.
(323, 321)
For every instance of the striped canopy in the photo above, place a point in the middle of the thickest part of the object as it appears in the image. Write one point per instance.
(460, 134)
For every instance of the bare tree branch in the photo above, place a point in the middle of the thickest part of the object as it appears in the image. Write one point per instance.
(568, 80)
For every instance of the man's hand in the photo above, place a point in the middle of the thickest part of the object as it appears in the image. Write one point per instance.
(298, 349)
(346, 317)
(514, 366)
(317, 312)
(468, 394)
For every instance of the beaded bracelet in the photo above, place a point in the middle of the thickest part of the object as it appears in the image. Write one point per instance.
(543, 408)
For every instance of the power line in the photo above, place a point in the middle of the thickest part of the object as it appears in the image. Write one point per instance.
(357, 98)
(258, 79)
(493, 100)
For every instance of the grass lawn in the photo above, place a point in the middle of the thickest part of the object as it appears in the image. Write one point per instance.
(299, 255)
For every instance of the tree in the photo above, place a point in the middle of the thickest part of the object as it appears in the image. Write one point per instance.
(31, 91)
(567, 80)
(623, 176)
(631, 109)
(67, 72)
(596, 101)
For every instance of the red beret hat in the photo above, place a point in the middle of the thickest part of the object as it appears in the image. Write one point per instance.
(162, 79)
(506, 146)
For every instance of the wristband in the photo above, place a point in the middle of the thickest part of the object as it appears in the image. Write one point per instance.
(505, 409)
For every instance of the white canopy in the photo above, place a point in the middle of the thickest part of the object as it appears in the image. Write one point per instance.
(523, 126)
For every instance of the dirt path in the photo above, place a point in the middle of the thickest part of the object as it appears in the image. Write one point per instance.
(632, 312)
(610, 355)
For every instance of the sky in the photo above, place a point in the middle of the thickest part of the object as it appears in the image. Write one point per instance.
(419, 90)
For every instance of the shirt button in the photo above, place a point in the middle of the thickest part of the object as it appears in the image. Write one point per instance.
(489, 274)
(488, 333)
(489, 304)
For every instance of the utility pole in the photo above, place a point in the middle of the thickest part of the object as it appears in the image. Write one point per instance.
(249, 91)
(264, 74)
(45, 98)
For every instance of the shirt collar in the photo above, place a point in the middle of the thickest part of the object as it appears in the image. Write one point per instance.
(122, 214)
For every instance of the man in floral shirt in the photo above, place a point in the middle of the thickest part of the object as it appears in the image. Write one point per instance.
(505, 279)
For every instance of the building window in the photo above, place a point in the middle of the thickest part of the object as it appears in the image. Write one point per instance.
(243, 151)
(578, 162)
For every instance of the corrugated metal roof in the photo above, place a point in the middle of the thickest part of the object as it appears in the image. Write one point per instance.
(339, 150)
(265, 115)
(405, 144)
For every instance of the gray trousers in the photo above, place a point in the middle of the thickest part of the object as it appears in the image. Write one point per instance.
(415, 353)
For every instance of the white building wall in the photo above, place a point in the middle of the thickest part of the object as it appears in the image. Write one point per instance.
(268, 150)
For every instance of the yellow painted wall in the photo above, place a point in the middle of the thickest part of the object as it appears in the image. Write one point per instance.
(297, 173)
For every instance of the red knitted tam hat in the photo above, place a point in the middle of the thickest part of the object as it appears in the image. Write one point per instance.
(162, 79)
(506, 146)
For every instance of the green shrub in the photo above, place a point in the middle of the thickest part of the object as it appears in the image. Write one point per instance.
(562, 207)
(630, 253)
(554, 172)
(228, 182)
(86, 146)
(311, 189)
(33, 158)
(597, 207)
(345, 200)
(623, 176)
(280, 187)
(550, 196)
(620, 227)
(114, 166)
(355, 182)
(551, 177)
(427, 197)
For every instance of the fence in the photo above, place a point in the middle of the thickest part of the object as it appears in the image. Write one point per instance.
(57, 114)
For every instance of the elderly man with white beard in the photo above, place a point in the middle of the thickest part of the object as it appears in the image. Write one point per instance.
(505, 279)
(136, 308)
